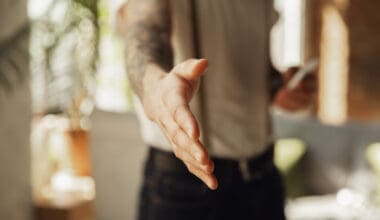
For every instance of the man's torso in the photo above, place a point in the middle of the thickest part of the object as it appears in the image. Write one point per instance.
(233, 36)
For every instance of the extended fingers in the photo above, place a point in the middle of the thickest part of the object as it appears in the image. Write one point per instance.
(182, 127)
(187, 158)
(209, 179)
(179, 138)
(197, 164)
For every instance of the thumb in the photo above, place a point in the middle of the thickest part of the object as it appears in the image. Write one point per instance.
(191, 69)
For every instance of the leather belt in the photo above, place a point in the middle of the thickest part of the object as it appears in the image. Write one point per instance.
(225, 169)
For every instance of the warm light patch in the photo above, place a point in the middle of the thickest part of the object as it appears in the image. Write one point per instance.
(333, 84)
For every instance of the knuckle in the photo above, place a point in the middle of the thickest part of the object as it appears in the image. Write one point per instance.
(200, 155)
(175, 111)
(176, 136)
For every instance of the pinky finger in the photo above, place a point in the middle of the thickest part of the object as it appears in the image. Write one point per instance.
(209, 179)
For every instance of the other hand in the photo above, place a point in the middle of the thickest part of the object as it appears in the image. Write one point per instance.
(299, 98)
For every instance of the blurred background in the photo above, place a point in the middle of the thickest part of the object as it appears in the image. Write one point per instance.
(70, 141)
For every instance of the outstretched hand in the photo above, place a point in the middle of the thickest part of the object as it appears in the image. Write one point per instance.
(166, 102)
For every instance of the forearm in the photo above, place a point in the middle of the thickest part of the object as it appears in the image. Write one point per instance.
(149, 51)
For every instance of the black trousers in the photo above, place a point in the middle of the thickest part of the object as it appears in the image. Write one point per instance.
(170, 192)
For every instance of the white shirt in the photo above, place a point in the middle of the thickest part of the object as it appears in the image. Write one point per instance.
(233, 36)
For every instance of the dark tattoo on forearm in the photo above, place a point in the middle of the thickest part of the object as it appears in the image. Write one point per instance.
(147, 39)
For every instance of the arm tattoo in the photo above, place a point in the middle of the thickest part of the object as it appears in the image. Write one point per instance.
(147, 39)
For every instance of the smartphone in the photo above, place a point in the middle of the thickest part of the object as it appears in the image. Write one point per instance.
(308, 68)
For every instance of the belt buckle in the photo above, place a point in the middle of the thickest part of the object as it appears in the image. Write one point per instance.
(244, 170)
